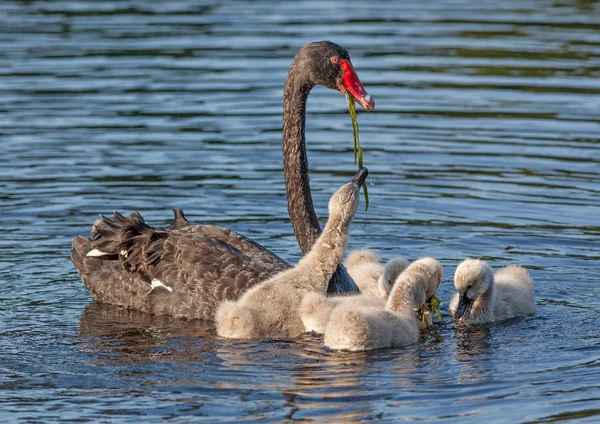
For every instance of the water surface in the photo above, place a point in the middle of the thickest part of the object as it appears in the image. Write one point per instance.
(484, 143)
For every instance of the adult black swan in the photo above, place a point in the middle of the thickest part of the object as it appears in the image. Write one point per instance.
(186, 271)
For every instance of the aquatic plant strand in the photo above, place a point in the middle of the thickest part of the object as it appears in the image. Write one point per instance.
(435, 305)
(358, 151)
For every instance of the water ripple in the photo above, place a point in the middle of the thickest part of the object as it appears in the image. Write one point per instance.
(484, 143)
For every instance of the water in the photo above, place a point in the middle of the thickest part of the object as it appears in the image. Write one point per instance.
(484, 142)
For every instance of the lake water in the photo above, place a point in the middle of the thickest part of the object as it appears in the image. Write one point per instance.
(484, 143)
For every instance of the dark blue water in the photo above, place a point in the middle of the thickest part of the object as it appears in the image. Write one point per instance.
(484, 142)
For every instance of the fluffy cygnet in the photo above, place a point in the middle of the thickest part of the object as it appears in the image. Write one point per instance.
(429, 265)
(359, 257)
(366, 328)
(364, 268)
(316, 308)
(483, 296)
(434, 267)
(270, 309)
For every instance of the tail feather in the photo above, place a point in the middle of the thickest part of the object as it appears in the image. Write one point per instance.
(180, 220)
(132, 239)
(79, 249)
(91, 269)
(116, 262)
(136, 243)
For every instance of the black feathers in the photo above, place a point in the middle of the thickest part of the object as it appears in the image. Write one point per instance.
(201, 265)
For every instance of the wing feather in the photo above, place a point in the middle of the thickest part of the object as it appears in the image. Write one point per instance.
(202, 265)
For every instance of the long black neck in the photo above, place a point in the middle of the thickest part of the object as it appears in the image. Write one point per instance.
(295, 163)
(295, 169)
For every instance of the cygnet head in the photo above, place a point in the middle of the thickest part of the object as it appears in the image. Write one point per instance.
(409, 287)
(344, 202)
(434, 271)
(420, 296)
(472, 279)
(363, 256)
(393, 268)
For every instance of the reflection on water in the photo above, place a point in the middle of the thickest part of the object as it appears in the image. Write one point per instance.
(115, 334)
(484, 143)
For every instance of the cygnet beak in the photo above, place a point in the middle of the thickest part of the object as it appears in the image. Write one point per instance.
(422, 312)
(360, 176)
(465, 304)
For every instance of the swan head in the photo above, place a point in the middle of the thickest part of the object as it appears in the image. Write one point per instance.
(344, 202)
(328, 64)
(473, 277)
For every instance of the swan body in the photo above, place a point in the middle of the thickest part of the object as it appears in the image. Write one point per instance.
(484, 297)
(367, 328)
(315, 308)
(270, 310)
(202, 265)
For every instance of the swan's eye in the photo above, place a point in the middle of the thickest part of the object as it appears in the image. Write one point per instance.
(335, 59)
(470, 286)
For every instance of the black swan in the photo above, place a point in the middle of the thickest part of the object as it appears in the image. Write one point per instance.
(186, 271)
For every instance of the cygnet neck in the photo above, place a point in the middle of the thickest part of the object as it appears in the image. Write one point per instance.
(485, 301)
(322, 260)
(402, 297)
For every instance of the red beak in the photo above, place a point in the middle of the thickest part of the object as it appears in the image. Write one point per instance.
(352, 84)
